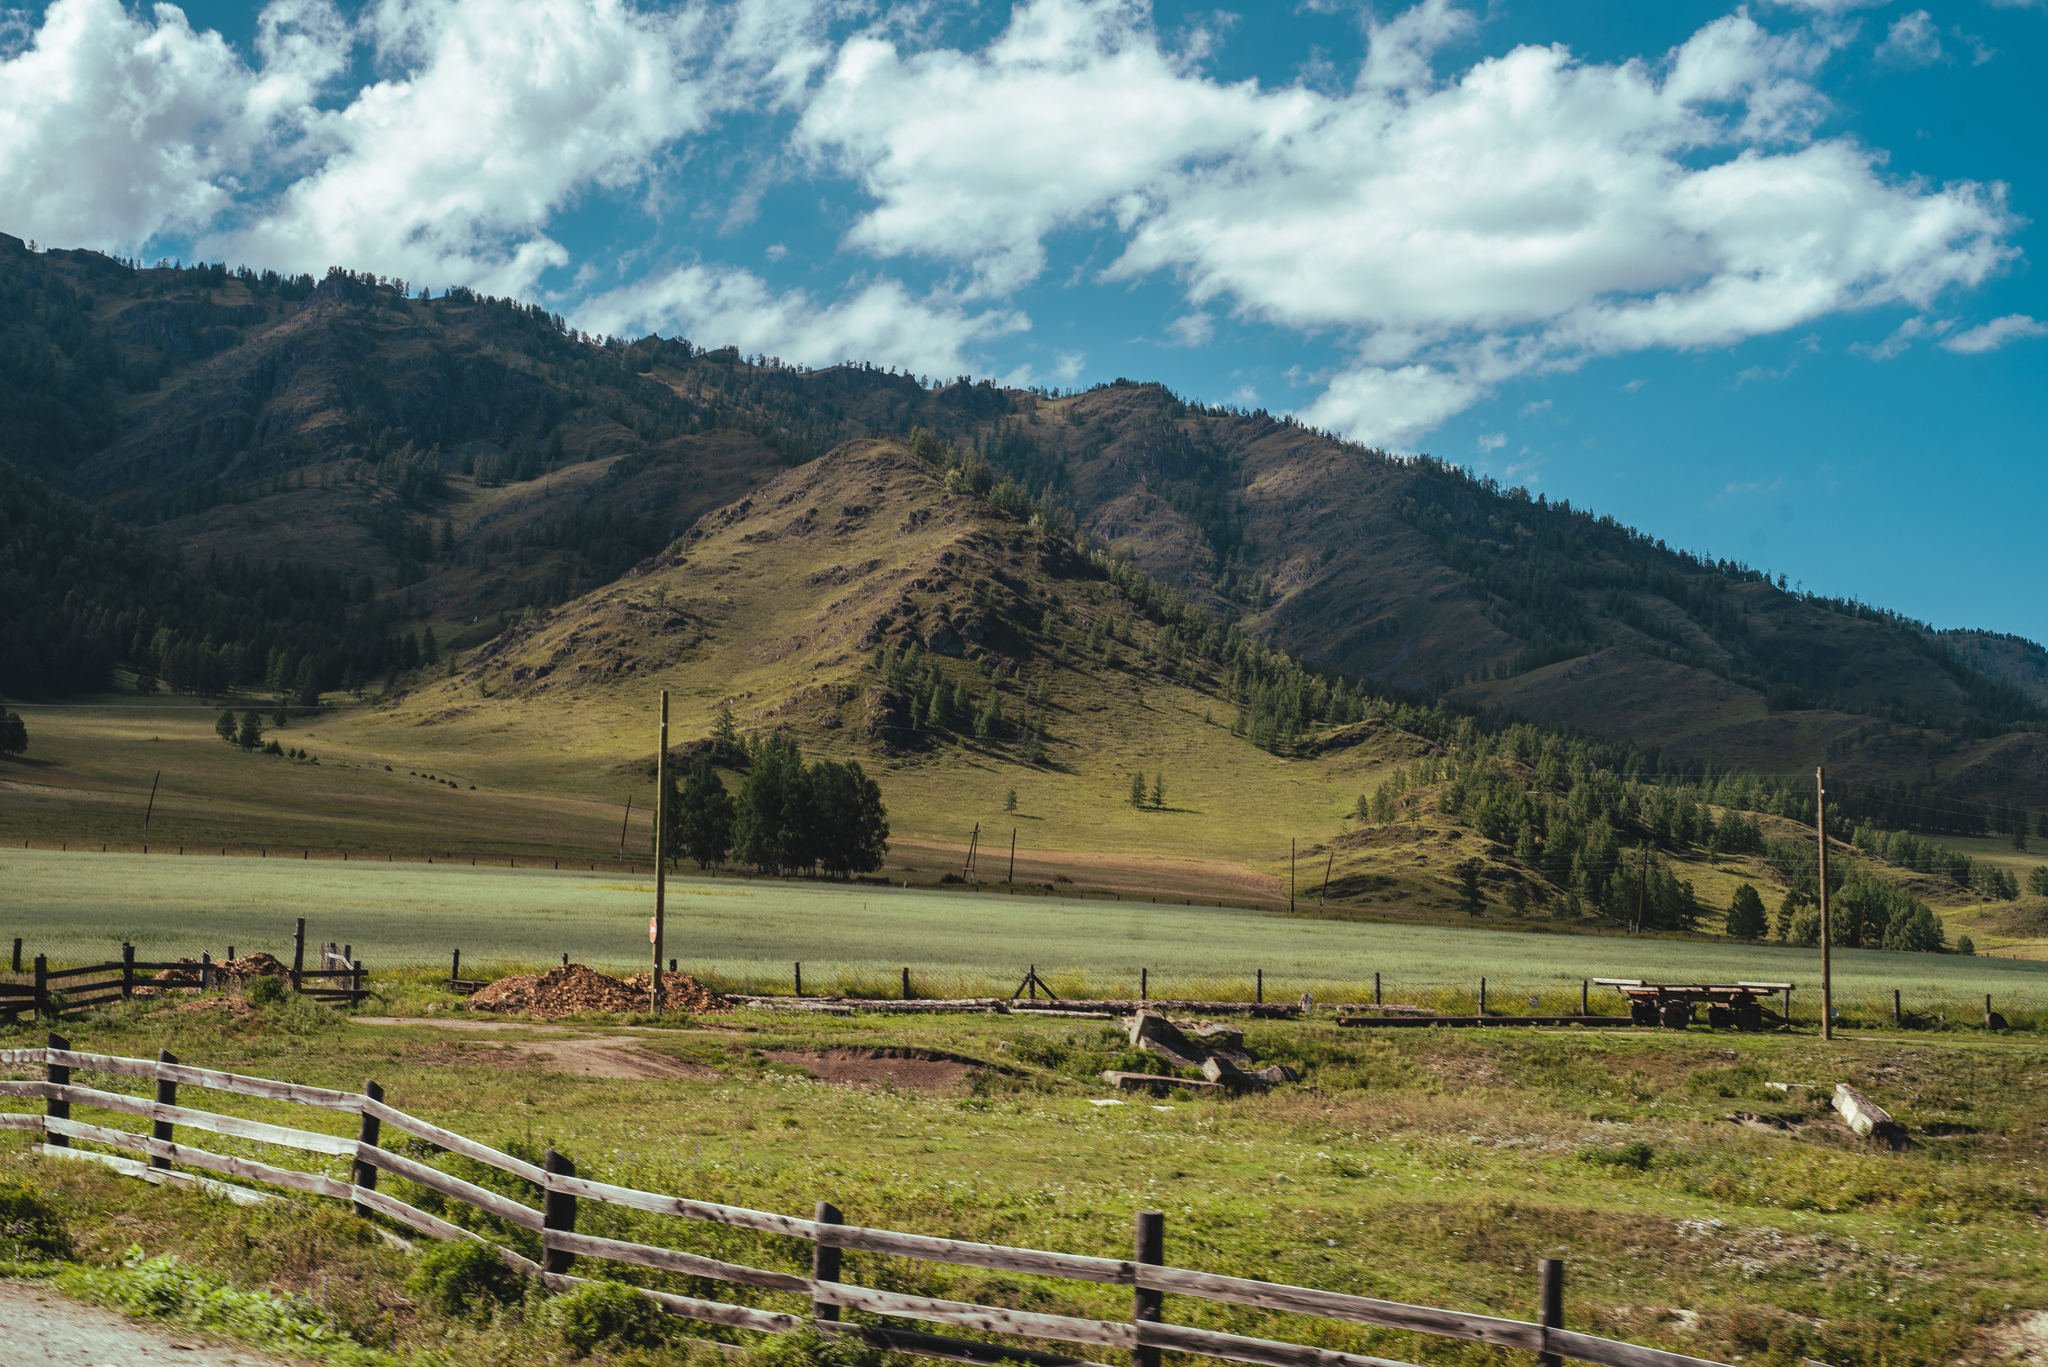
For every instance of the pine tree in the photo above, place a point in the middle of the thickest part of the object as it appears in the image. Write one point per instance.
(251, 734)
(704, 816)
(1746, 915)
(1138, 789)
(225, 726)
(1159, 790)
(1469, 895)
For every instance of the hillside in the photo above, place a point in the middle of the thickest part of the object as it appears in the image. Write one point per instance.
(457, 463)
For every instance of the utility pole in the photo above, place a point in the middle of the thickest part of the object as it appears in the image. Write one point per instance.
(1326, 879)
(1827, 983)
(152, 803)
(622, 827)
(660, 847)
(1012, 879)
(1290, 873)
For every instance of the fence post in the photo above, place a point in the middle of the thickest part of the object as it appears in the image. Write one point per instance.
(60, 1074)
(17, 951)
(42, 985)
(1895, 1006)
(1148, 1246)
(1144, 984)
(1582, 997)
(454, 970)
(1262, 987)
(799, 978)
(166, 1095)
(557, 1211)
(355, 984)
(205, 971)
(825, 1261)
(368, 1133)
(1550, 1305)
(906, 984)
(299, 956)
(1482, 996)
(127, 971)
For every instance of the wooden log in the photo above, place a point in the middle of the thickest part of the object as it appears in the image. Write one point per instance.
(368, 1132)
(946, 1349)
(985, 1318)
(111, 966)
(709, 1312)
(1135, 1082)
(311, 1183)
(206, 1120)
(453, 1142)
(737, 1216)
(1466, 1021)
(130, 1167)
(825, 1261)
(1302, 1300)
(995, 1257)
(558, 1211)
(1238, 1348)
(1863, 1115)
(57, 1106)
(1148, 1248)
(166, 1095)
(490, 1202)
(32, 1089)
(673, 1260)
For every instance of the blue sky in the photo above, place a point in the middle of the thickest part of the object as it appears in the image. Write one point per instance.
(1759, 280)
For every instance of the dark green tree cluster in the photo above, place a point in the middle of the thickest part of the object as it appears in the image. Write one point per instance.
(790, 817)
(13, 731)
(1747, 918)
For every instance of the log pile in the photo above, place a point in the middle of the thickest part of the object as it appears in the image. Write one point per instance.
(576, 990)
(1216, 1049)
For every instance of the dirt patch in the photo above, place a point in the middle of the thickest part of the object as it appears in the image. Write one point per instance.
(612, 1056)
(575, 990)
(2025, 1337)
(918, 1069)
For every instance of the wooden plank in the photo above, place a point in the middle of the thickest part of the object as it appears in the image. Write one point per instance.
(491, 1202)
(102, 1063)
(393, 1208)
(29, 1088)
(453, 1142)
(1072, 1266)
(1238, 1348)
(132, 1167)
(947, 1349)
(55, 974)
(311, 1183)
(24, 1058)
(205, 1120)
(297, 1093)
(673, 1260)
(1614, 1353)
(1302, 1300)
(14, 1121)
(738, 1216)
(988, 1319)
(716, 1312)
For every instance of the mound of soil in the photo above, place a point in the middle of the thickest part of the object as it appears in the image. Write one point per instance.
(257, 965)
(186, 974)
(576, 990)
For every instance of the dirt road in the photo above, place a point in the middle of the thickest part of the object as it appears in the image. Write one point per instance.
(46, 1330)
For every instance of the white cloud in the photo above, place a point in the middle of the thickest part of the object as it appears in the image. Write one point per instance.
(1193, 330)
(1493, 442)
(1534, 408)
(1995, 334)
(1828, 7)
(1913, 40)
(115, 128)
(880, 322)
(1390, 407)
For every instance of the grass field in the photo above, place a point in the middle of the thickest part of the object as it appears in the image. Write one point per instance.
(1432, 1167)
(746, 935)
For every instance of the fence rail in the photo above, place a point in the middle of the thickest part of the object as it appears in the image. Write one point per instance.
(555, 1222)
(39, 997)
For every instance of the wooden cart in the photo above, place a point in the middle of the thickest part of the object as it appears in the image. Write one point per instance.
(1730, 1006)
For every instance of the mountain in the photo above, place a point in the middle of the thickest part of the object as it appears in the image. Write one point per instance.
(453, 466)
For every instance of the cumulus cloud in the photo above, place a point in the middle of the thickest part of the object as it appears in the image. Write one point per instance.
(1995, 334)
(1912, 40)
(880, 321)
(1528, 214)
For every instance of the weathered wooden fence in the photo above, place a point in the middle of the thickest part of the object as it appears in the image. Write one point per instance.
(1144, 1335)
(345, 979)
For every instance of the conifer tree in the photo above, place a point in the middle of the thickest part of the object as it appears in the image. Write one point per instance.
(1746, 917)
(704, 816)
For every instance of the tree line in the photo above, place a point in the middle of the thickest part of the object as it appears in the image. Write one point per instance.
(789, 816)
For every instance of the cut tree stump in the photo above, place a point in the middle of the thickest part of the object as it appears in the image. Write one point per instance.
(1153, 1082)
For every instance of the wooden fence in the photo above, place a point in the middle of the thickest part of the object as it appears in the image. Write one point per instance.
(58, 992)
(1145, 1335)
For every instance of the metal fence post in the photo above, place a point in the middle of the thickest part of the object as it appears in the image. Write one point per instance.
(557, 1211)
(60, 1074)
(166, 1095)
(825, 1260)
(1148, 1246)
(1550, 1305)
(368, 1132)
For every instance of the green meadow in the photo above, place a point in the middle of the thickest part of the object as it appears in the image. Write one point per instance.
(746, 934)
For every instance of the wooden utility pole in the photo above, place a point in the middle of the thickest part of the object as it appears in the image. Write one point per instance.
(623, 823)
(1331, 864)
(1290, 873)
(1012, 879)
(148, 811)
(660, 846)
(1827, 984)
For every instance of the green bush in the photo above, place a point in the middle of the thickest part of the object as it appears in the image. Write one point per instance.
(264, 991)
(607, 1313)
(31, 1227)
(458, 1277)
(809, 1348)
(1636, 1155)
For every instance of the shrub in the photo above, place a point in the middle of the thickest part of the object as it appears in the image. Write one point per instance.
(458, 1277)
(607, 1313)
(1635, 1154)
(31, 1227)
(266, 990)
(809, 1348)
